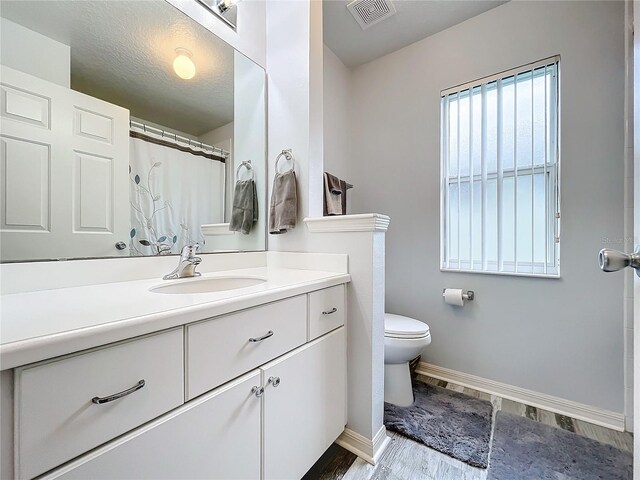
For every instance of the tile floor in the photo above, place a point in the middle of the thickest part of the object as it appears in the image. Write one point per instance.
(405, 459)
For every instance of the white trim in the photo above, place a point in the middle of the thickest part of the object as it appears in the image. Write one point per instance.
(365, 222)
(368, 450)
(579, 411)
(216, 229)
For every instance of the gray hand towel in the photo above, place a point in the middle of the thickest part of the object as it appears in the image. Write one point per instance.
(284, 203)
(244, 212)
(333, 197)
(344, 188)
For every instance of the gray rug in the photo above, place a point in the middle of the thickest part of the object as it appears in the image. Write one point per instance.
(524, 449)
(452, 423)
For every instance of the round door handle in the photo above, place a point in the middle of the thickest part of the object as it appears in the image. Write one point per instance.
(121, 245)
(613, 260)
(275, 381)
(257, 391)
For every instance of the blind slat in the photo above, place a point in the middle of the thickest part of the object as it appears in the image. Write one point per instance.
(459, 164)
(546, 181)
(471, 197)
(499, 185)
(515, 173)
(533, 210)
(483, 182)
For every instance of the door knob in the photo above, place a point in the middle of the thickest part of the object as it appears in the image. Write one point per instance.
(613, 260)
(275, 381)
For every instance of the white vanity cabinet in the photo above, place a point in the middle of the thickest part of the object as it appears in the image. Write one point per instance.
(222, 348)
(262, 401)
(304, 405)
(219, 434)
(56, 415)
(216, 436)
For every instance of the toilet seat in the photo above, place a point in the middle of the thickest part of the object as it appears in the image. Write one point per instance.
(399, 326)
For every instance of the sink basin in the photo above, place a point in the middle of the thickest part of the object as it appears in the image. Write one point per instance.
(207, 285)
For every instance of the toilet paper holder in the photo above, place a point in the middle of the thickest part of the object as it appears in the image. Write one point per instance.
(468, 295)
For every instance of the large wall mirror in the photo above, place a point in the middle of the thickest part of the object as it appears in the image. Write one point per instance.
(127, 129)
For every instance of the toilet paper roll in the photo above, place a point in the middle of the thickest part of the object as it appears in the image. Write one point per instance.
(453, 296)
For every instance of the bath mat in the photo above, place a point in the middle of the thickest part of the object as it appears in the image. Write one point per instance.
(529, 450)
(452, 423)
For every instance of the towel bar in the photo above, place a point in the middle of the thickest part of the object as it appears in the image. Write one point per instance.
(246, 164)
(288, 155)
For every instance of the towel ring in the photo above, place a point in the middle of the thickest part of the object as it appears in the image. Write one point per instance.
(289, 156)
(246, 164)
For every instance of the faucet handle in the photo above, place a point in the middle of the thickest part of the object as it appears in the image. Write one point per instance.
(189, 250)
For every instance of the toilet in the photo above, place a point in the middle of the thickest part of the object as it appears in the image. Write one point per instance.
(404, 339)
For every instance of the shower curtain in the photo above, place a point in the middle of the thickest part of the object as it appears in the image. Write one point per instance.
(172, 193)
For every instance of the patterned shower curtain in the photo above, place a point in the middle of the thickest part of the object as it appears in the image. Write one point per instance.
(172, 193)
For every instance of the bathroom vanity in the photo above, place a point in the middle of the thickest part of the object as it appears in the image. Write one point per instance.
(242, 383)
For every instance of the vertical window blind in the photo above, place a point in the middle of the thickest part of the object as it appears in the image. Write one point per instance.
(500, 173)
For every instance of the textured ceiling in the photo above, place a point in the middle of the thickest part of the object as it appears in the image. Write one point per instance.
(122, 52)
(414, 20)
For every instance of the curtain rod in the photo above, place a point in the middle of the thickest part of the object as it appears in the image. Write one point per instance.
(178, 138)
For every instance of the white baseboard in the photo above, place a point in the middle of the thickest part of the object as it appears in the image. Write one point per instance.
(368, 450)
(588, 413)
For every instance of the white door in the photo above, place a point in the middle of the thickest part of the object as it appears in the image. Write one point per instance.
(214, 437)
(304, 406)
(64, 171)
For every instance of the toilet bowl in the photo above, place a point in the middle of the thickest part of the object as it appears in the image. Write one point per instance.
(404, 339)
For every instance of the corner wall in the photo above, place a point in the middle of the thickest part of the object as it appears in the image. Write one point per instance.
(560, 337)
(294, 68)
(336, 125)
(33, 53)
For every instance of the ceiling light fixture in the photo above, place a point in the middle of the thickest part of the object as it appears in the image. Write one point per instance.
(225, 5)
(183, 65)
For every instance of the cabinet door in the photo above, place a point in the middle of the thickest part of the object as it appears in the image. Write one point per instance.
(216, 436)
(306, 411)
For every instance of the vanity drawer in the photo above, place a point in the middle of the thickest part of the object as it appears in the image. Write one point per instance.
(57, 417)
(327, 310)
(222, 348)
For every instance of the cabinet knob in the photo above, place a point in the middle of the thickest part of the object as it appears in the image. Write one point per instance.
(275, 381)
(257, 391)
(121, 245)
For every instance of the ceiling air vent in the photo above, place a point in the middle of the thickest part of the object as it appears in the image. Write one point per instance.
(369, 12)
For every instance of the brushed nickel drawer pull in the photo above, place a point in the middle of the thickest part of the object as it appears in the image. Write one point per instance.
(329, 312)
(116, 396)
(259, 339)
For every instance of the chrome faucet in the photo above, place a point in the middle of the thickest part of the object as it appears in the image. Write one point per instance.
(187, 265)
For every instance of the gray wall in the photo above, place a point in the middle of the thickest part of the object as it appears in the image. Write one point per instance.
(35, 54)
(562, 337)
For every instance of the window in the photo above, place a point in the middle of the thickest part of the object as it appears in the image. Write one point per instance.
(500, 173)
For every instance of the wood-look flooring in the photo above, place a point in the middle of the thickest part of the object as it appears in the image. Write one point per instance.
(405, 459)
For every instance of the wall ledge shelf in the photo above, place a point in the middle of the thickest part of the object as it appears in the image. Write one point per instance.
(364, 222)
(216, 229)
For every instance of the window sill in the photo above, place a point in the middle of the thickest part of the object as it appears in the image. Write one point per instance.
(555, 276)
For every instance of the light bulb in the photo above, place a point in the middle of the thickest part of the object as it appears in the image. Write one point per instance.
(183, 65)
(225, 5)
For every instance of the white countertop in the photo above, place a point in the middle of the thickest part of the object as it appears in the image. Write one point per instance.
(44, 324)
